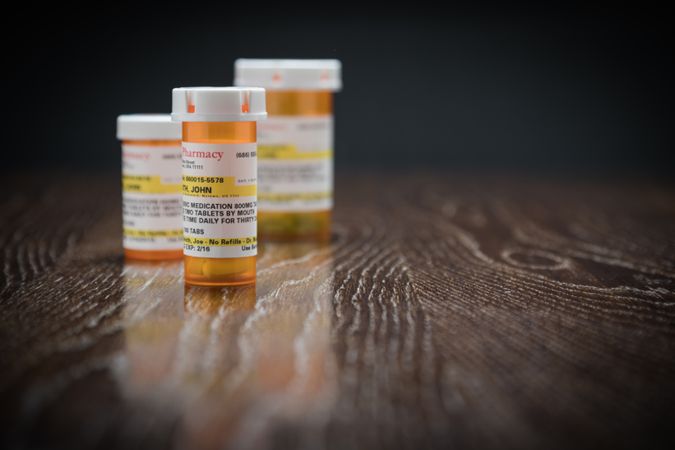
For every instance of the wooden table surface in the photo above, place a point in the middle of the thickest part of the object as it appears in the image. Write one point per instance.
(448, 312)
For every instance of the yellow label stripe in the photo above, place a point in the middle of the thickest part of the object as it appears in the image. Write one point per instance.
(290, 152)
(220, 242)
(135, 232)
(148, 185)
(202, 186)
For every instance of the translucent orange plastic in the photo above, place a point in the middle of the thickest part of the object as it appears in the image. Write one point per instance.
(152, 143)
(219, 271)
(299, 103)
(152, 255)
(296, 226)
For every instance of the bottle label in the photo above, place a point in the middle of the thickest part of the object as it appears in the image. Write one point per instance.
(151, 197)
(219, 200)
(295, 163)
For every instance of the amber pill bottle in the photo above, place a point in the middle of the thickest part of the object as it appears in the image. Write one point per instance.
(151, 187)
(295, 146)
(219, 182)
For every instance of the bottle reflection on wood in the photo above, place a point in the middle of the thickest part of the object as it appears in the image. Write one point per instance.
(263, 367)
(230, 366)
(219, 300)
(153, 318)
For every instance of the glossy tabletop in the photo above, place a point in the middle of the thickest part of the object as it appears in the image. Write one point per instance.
(447, 312)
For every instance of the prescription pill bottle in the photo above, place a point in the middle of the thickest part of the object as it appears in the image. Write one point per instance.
(151, 186)
(295, 145)
(219, 160)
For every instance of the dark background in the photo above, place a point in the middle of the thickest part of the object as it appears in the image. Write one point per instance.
(558, 89)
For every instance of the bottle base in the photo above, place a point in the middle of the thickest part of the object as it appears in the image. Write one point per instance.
(153, 255)
(216, 272)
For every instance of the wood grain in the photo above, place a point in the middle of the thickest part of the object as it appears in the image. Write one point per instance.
(448, 312)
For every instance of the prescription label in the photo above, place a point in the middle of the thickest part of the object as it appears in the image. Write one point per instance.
(151, 197)
(219, 200)
(295, 166)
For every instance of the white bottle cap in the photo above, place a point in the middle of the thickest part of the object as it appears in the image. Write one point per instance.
(218, 104)
(147, 127)
(288, 74)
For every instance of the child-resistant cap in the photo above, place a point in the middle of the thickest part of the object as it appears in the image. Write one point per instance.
(285, 74)
(218, 104)
(147, 127)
